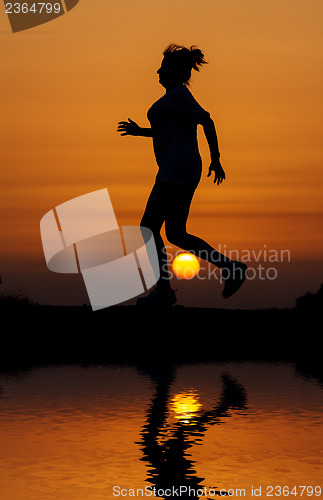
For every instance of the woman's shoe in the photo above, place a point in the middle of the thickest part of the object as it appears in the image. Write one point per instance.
(158, 297)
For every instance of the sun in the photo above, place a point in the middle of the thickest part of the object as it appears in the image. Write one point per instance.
(186, 406)
(186, 266)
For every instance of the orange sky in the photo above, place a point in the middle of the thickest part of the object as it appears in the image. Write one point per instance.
(66, 84)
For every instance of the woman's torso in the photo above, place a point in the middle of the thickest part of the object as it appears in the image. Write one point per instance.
(174, 118)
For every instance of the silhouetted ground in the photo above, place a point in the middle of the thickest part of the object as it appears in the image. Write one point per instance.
(311, 301)
(34, 335)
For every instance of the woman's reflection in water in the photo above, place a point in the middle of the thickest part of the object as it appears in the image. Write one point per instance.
(165, 447)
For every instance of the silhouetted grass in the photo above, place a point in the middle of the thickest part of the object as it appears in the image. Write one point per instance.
(14, 298)
(311, 301)
(33, 334)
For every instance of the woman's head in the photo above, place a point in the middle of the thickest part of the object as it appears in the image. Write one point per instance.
(177, 65)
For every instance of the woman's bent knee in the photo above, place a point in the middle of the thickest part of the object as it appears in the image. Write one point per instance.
(145, 222)
(177, 239)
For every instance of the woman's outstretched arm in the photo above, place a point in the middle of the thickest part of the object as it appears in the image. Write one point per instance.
(131, 128)
(212, 139)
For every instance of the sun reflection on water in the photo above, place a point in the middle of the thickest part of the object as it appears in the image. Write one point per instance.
(186, 406)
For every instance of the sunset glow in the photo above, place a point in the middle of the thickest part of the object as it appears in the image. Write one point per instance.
(186, 405)
(67, 84)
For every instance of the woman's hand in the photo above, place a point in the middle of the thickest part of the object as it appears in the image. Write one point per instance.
(219, 174)
(129, 128)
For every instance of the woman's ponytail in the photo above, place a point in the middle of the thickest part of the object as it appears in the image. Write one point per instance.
(197, 57)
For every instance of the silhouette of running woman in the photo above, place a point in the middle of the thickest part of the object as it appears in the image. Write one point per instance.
(165, 446)
(174, 119)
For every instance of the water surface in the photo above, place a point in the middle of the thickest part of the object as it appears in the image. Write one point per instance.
(105, 432)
